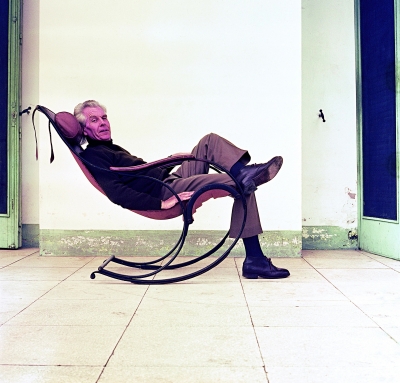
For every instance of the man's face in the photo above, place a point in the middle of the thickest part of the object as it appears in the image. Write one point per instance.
(97, 126)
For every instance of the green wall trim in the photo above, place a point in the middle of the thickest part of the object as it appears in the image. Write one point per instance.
(156, 242)
(329, 238)
(30, 235)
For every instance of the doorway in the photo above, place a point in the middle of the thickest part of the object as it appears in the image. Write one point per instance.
(10, 221)
(378, 132)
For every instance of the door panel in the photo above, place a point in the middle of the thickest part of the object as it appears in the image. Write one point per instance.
(10, 227)
(378, 86)
(379, 230)
(3, 106)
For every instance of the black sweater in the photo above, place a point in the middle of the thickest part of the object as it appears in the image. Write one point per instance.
(126, 191)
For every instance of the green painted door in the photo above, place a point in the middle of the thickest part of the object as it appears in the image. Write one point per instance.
(10, 222)
(378, 127)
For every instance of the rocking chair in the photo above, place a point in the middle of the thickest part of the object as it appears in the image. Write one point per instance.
(70, 131)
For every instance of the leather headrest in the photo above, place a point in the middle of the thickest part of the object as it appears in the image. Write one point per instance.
(69, 127)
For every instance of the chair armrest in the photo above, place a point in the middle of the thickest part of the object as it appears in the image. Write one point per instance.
(173, 160)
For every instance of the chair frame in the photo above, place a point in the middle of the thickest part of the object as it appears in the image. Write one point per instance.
(187, 209)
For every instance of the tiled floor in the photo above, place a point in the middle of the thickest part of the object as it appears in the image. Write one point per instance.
(335, 319)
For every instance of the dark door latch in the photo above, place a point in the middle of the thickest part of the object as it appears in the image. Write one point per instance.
(27, 111)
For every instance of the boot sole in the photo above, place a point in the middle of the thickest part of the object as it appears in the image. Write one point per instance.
(273, 167)
(256, 276)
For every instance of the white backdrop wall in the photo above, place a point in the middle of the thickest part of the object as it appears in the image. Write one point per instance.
(30, 97)
(330, 148)
(170, 72)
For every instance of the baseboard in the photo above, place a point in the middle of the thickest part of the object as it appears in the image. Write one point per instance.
(283, 243)
(329, 238)
(157, 242)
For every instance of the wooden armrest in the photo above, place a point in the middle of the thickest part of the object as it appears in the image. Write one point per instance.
(174, 159)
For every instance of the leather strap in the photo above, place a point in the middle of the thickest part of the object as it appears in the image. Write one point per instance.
(36, 142)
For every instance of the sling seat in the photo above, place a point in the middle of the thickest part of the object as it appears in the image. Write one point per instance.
(70, 132)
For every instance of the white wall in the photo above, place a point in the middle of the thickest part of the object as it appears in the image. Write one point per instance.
(330, 148)
(30, 97)
(170, 72)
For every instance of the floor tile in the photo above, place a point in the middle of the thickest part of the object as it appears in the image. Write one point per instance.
(19, 252)
(394, 332)
(330, 314)
(53, 261)
(384, 314)
(364, 294)
(95, 290)
(338, 254)
(375, 277)
(155, 313)
(366, 286)
(175, 346)
(272, 292)
(16, 273)
(11, 307)
(392, 263)
(358, 262)
(49, 374)
(8, 257)
(331, 374)
(327, 347)
(206, 292)
(80, 312)
(57, 345)
(185, 374)
(25, 289)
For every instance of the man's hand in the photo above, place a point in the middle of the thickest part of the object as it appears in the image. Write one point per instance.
(172, 201)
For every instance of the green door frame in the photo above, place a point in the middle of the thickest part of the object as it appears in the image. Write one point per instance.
(376, 235)
(10, 223)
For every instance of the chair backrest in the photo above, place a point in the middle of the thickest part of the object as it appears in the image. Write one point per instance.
(70, 130)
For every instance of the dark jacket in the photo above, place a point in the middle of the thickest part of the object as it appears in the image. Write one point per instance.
(126, 191)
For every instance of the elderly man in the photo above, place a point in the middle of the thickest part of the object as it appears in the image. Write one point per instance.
(144, 194)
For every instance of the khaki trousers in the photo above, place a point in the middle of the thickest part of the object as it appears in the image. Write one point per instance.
(192, 175)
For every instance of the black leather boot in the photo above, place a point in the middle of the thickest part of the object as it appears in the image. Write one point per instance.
(252, 176)
(262, 267)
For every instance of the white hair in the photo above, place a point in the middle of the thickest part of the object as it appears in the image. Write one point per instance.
(78, 110)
